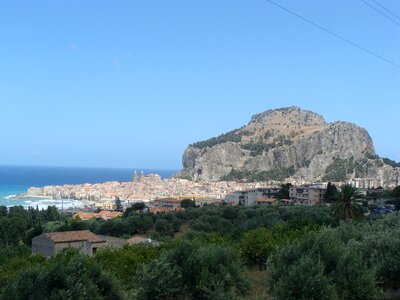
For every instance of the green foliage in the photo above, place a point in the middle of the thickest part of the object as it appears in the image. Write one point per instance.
(118, 205)
(304, 280)
(18, 225)
(353, 276)
(13, 259)
(284, 191)
(379, 246)
(338, 170)
(194, 271)
(396, 192)
(3, 211)
(331, 193)
(230, 213)
(391, 163)
(66, 276)
(372, 156)
(352, 261)
(159, 280)
(231, 136)
(269, 133)
(252, 176)
(256, 148)
(257, 245)
(164, 227)
(124, 263)
(260, 244)
(346, 207)
(186, 203)
(138, 206)
(236, 221)
(306, 259)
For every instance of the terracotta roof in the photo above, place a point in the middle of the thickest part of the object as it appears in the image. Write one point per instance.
(114, 214)
(74, 236)
(158, 209)
(83, 215)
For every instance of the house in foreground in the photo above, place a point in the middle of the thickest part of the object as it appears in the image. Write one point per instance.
(49, 244)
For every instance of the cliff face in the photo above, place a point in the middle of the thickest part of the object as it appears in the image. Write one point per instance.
(287, 142)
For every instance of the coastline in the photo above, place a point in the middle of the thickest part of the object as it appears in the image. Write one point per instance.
(27, 196)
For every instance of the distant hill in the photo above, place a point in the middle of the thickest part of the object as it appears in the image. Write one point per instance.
(288, 142)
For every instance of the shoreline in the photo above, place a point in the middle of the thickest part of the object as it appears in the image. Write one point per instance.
(27, 196)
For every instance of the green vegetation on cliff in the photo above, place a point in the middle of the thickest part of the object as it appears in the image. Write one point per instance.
(231, 136)
(256, 148)
(251, 176)
(339, 169)
(391, 163)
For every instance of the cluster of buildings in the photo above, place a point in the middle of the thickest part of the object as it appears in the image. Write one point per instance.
(298, 195)
(161, 195)
(143, 189)
(366, 183)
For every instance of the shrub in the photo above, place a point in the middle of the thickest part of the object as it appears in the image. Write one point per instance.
(193, 271)
(304, 280)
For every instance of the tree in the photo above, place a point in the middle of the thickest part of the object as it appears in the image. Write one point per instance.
(330, 194)
(51, 214)
(353, 276)
(159, 280)
(304, 280)
(346, 207)
(230, 213)
(118, 205)
(193, 270)
(69, 275)
(396, 192)
(284, 191)
(131, 211)
(257, 245)
(139, 206)
(145, 222)
(186, 203)
(124, 263)
(164, 227)
(3, 211)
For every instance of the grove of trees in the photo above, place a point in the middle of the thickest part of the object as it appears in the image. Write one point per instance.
(213, 252)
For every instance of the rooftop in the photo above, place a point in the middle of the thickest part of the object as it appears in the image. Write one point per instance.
(74, 236)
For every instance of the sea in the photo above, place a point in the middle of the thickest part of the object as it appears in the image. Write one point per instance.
(16, 180)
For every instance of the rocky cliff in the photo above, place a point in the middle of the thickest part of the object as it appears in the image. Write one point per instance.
(288, 142)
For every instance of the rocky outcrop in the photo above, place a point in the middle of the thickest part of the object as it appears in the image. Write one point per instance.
(287, 142)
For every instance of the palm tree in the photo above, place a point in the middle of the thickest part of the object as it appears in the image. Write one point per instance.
(346, 207)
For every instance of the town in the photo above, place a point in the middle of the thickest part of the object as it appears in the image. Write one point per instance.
(163, 195)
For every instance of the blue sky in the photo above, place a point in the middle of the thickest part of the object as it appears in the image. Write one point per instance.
(132, 83)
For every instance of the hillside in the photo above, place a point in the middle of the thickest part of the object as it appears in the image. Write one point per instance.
(288, 142)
